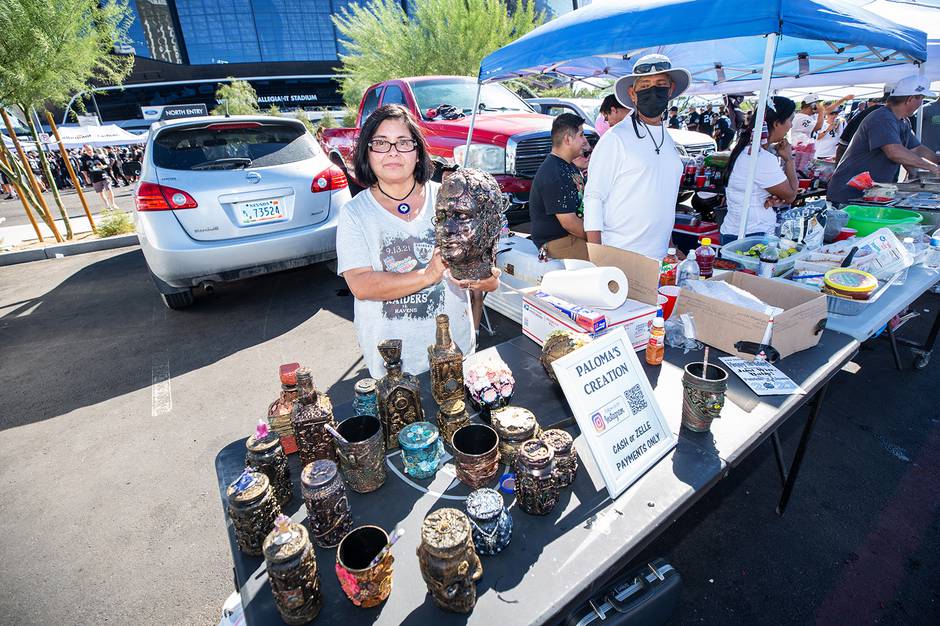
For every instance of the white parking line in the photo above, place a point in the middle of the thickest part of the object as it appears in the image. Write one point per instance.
(162, 396)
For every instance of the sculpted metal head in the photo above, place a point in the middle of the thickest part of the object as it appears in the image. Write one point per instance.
(449, 564)
(707, 403)
(467, 220)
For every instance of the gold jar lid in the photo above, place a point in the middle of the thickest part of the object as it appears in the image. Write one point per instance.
(454, 408)
(445, 530)
(514, 423)
(285, 541)
(558, 440)
(247, 488)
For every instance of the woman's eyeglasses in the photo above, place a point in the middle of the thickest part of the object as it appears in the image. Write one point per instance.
(402, 145)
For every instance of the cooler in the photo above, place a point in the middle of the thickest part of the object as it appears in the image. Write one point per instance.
(687, 237)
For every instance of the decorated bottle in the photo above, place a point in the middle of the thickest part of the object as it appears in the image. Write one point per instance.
(266, 455)
(446, 364)
(399, 395)
(312, 412)
(279, 411)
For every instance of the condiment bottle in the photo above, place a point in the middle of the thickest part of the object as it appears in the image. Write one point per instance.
(705, 258)
(667, 273)
(657, 344)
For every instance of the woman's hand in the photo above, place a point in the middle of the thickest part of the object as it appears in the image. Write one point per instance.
(485, 284)
(784, 151)
(434, 270)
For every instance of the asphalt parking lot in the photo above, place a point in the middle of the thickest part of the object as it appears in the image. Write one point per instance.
(113, 409)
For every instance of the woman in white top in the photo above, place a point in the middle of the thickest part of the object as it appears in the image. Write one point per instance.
(827, 142)
(386, 248)
(775, 181)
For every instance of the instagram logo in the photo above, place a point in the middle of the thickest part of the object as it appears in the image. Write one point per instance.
(599, 423)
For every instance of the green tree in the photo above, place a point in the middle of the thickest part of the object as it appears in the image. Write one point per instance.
(440, 37)
(50, 51)
(301, 115)
(236, 97)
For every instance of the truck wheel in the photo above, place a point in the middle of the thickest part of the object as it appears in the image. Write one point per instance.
(178, 300)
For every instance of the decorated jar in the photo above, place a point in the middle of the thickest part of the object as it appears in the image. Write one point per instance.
(364, 402)
(514, 425)
(253, 509)
(566, 457)
(421, 449)
(292, 572)
(490, 385)
(280, 411)
(491, 522)
(476, 454)
(362, 452)
(364, 566)
(266, 455)
(452, 416)
(536, 488)
(449, 564)
(327, 505)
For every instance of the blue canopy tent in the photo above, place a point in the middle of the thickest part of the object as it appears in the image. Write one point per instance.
(718, 41)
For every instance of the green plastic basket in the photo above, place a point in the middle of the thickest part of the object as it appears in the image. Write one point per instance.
(868, 219)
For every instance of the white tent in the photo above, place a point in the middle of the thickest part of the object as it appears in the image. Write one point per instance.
(97, 136)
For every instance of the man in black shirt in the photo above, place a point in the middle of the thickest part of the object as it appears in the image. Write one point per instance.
(555, 201)
(694, 118)
(96, 166)
(673, 120)
(706, 123)
(724, 132)
(852, 126)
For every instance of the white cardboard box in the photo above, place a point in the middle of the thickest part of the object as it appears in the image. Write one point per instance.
(539, 319)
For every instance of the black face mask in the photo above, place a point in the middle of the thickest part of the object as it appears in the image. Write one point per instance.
(652, 101)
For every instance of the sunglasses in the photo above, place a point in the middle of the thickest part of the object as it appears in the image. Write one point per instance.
(402, 145)
(646, 68)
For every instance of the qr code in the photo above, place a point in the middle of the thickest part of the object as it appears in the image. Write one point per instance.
(635, 399)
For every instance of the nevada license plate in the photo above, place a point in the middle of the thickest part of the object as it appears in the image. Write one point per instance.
(258, 211)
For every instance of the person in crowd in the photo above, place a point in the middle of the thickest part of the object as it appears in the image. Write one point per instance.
(57, 170)
(114, 166)
(8, 189)
(884, 142)
(33, 159)
(386, 247)
(827, 141)
(724, 130)
(809, 121)
(95, 166)
(737, 116)
(611, 112)
(695, 117)
(556, 199)
(633, 179)
(131, 166)
(706, 123)
(851, 127)
(775, 180)
(674, 121)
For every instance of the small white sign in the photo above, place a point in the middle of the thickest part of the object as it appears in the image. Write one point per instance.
(763, 378)
(615, 408)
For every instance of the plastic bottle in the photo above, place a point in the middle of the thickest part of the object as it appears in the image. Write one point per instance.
(687, 271)
(768, 261)
(909, 244)
(932, 259)
(668, 268)
(705, 257)
(656, 347)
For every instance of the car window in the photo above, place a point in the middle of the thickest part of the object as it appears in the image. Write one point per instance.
(370, 103)
(232, 145)
(393, 95)
(557, 109)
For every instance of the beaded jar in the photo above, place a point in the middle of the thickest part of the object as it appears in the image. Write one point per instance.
(421, 449)
(365, 402)
(492, 523)
(327, 505)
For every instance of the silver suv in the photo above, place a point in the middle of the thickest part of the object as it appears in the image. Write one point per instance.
(225, 198)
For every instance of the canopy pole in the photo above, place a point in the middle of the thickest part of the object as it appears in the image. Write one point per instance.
(920, 111)
(770, 52)
(473, 119)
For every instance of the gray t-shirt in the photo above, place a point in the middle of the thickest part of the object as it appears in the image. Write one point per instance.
(370, 236)
(864, 154)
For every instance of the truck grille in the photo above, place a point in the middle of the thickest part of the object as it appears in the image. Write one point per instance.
(532, 150)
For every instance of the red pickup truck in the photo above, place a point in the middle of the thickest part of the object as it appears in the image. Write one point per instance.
(510, 140)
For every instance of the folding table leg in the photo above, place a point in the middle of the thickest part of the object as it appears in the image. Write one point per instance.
(801, 450)
(894, 348)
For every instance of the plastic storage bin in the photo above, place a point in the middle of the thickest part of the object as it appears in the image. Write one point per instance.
(868, 219)
(735, 250)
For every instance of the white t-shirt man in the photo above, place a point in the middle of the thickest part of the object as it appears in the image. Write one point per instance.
(802, 130)
(828, 141)
(760, 219)
(369, 236)
(631, 190)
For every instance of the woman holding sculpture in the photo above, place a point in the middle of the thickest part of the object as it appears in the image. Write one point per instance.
(386, 242)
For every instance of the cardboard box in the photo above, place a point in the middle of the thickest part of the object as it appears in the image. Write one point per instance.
(539, 319)
(721, 325)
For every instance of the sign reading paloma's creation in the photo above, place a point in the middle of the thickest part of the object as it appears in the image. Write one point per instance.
(614, 405)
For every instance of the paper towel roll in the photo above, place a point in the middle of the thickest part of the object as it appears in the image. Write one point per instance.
(596, 287)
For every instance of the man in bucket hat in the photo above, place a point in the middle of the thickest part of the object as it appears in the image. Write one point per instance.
(633, 178)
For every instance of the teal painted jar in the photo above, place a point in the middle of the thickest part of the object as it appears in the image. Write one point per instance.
(421, 449)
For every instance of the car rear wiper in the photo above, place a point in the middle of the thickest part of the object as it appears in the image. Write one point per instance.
(223, 164)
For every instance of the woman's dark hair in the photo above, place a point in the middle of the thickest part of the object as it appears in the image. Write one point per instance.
(783, 109)
(424, 168)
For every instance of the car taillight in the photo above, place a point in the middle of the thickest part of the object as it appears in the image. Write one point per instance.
(330, 179)
(153, 197)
